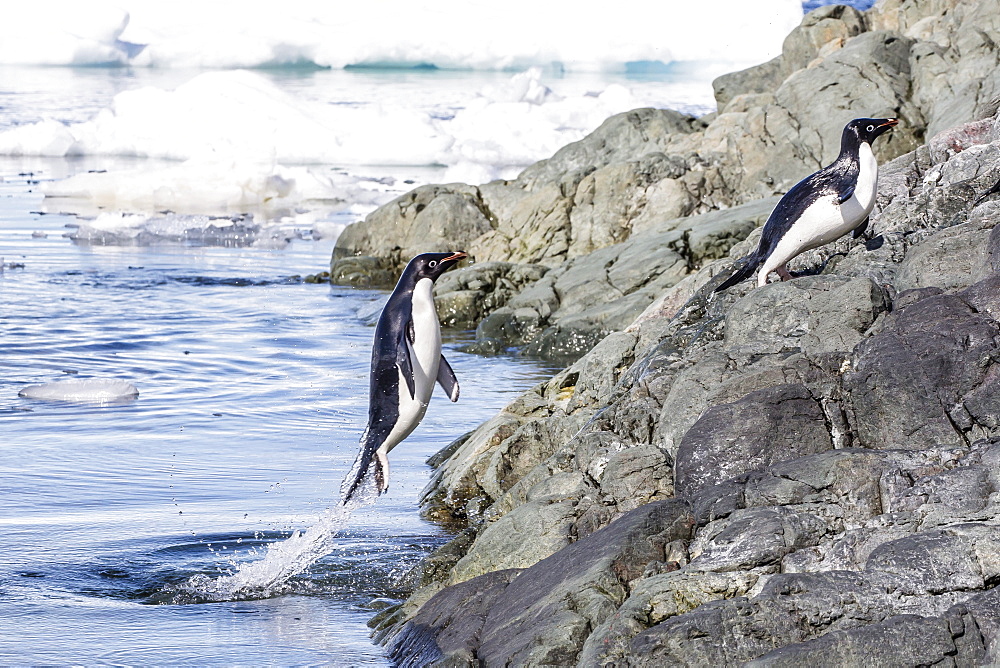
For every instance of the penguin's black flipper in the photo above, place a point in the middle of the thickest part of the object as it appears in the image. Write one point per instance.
(741, 274)
(446, 378)
(860, 229)
(404, 362)
(846, 193)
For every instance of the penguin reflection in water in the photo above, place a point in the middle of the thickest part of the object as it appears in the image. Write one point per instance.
(406, 363)
(822, 207)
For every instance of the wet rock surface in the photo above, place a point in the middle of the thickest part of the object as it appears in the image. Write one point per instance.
(806, 473)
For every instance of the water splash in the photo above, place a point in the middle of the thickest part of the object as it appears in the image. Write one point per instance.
(283, 560)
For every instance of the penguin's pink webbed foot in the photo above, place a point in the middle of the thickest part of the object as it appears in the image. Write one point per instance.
(783, 273)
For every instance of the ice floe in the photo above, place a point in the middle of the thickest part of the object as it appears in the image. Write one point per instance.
(82, 390)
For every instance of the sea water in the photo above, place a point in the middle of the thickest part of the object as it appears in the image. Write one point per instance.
(252, 394)
(168, 481)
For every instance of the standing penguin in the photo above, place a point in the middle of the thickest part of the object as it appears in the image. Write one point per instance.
(406, 362)
(822, 207)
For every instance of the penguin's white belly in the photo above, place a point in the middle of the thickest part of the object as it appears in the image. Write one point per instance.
(425, 355)
(823, 222)
(826, 220)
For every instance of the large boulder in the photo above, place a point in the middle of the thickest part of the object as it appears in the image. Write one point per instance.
(765, 427)
(428, 219)
(581, 302)
(907, 381)
(543, 614)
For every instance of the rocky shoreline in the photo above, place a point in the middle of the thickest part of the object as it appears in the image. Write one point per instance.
(805, 473)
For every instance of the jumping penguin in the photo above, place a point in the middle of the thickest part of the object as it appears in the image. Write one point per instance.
(406, 362)
(822, 207)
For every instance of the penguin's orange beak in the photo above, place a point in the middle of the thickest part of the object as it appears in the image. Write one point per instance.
(457, 255)
(890, 122)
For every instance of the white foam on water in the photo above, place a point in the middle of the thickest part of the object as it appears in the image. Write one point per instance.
(83, 390)
(450, 34)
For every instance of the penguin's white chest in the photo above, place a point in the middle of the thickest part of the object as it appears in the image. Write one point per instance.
(425, 350)
(425, 356)
(861, 203)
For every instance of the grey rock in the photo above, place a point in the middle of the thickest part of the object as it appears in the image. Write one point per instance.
(654, 599)
(363, 271)
(883, 57)
(916, 641)
(907, 380)
(757, 79)
(635, 476)
(790, 609)
(816, 314)
(583, 585)
(754, 537)
(823, 30)
(572, 308)
(430, 218)
(465, 296)
(949, 259)
(449, 623)
(962, 557)
(621, 138)
(521, 538)
(763, 428)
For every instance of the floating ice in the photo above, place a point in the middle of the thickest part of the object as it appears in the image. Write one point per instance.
(240, 231)
(89, 390)
(202, 186)
(118, 229)
(245, 145)
(460, 34)
(235, 132)
(240, 121)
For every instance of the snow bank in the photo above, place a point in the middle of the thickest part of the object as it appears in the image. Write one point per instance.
(462, 34)
(91, 390)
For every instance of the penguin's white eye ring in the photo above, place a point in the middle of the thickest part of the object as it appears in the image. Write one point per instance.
(432, 264)
(870, 128)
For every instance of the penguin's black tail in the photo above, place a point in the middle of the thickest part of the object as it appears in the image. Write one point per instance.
(750, 264)
(367, 478)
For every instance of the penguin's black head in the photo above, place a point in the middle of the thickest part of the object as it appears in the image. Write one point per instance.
(867, 129)
(432, 265)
